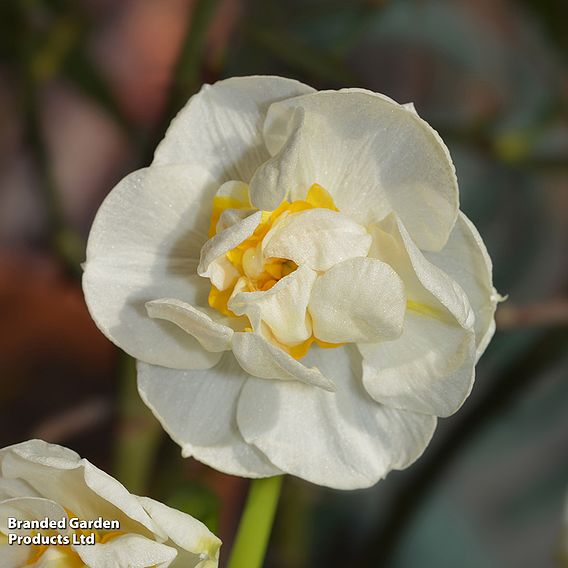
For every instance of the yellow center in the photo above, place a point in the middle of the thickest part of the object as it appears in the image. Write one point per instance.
(72, 559)
(257, 273)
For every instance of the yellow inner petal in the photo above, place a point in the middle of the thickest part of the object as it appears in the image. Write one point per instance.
(261, 276)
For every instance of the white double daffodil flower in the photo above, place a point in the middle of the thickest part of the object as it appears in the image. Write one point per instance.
(97, 523)
(296, 280)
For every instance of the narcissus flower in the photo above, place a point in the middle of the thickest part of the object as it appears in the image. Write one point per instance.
(40, 481)
(296, 280)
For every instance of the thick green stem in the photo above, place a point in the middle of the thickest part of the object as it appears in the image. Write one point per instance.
(256, 523)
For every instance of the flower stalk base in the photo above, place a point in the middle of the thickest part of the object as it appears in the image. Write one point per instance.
(256, 523)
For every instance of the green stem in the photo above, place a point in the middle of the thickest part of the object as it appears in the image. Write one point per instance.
(256, 523)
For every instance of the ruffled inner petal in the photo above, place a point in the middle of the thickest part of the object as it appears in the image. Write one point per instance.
(283, 308)
(228, 239)
(465, 260)
(316, 238)
(358, 300)
(430, 367)
(212, 335)
(257, 356)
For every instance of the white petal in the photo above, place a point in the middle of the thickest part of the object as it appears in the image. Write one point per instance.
(220, 128)
(359, 299)
(212, 335)
(184, 531)
(344, 439)
(28, 509)
(60, 475)
(283, 308)
(262, 359)
(15, 556)
(225, 241)
(54, 558)
(410, 108)
(429, 369)
(427, 287)
(317, 238)
(144, 244)
(373, 155)
(273, 180)
(41, 452)
(235, 190)
(222, 273)
(198, 410)
(126, 551)
(236, 200)
(10, 488)
(465, 259)
(229, 217)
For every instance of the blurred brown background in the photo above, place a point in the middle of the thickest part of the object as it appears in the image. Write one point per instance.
(87, 88)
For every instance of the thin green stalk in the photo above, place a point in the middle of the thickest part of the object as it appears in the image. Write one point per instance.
(256, 523)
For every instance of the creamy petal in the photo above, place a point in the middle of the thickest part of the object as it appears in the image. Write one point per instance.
(272, 181)
(429, 369)
(283, 308)
(260, 358)
(126, 551)
(220, 128)
(144, 244)
(343, 439)
(188, 534)
(56, 558)
(15, 556)
(198, 410)
(428, 288)
(10, 488)
(465, 260)
(60, 475)
(373, 155)
(225, 241)
(316, 238)
(236, 191)
(28, 509)
(230, 217)
(222, 273)
(211, 335)
(359, 299)
(234, 198)
(410, 107)
(155, 533)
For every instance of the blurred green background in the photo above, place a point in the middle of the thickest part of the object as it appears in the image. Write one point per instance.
(87, 88)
